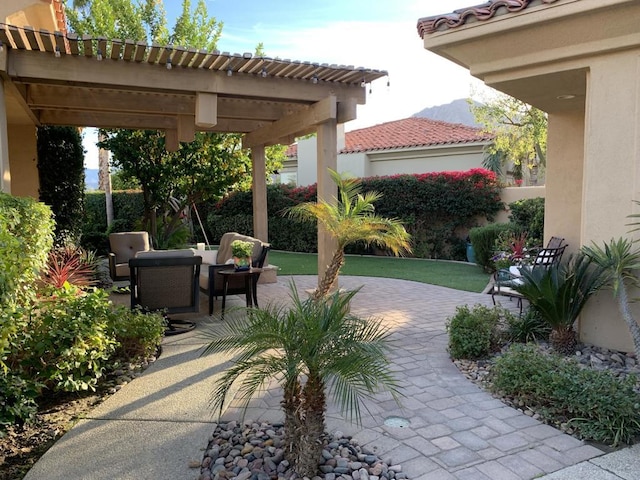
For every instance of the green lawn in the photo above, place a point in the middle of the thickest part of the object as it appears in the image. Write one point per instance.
(461, 276)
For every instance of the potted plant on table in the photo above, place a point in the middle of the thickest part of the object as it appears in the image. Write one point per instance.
(241, 252)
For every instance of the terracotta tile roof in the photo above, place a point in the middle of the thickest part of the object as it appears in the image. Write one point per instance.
(479, 12)
(406, 133)
(411, 132)
(61, 18)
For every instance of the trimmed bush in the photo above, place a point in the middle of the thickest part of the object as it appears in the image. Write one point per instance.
(61, 173)
(484, 239)
(475, 333)
(597, 405)
(528, 214)
(26, 236)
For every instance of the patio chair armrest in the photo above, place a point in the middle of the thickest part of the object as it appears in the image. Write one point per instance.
(112, 265)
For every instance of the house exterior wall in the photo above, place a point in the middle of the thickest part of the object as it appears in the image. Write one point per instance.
(587, 78)
(424, 160)
(611, 176)
(388, 162)
(23, 161)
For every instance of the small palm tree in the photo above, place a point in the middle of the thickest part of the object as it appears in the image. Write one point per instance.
(620, 260)
(350, 219)
(559, 293)
(311, 347)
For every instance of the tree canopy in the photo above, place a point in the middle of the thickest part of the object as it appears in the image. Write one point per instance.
(520, 132)
(202, 170)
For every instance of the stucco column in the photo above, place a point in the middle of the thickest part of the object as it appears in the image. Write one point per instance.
(5, 172)
(327, 190)
(259, 183)
(611, 179)
(564, 177)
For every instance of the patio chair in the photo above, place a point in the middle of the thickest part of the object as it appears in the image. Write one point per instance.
(124, 246)
(167, 281)
(505, 280)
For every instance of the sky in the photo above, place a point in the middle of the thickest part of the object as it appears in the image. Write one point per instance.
(375, 34)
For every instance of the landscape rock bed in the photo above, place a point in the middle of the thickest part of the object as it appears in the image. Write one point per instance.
(255, 452)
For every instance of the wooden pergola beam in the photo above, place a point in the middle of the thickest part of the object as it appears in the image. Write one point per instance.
(293, 124)
(29, 66)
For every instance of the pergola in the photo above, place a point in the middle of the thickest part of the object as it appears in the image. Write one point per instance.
(57, 78)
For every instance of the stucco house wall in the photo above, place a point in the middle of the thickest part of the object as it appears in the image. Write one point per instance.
(583, 71)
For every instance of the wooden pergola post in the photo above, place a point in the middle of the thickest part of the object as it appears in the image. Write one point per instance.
(259, 179)
(5, 172)
(327, 190)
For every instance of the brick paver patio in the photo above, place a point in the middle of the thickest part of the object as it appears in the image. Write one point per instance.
(456, 430)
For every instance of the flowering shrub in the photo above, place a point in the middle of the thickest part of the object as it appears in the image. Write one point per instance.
(436, 208)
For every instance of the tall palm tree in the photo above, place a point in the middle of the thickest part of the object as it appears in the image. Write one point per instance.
(315, 349)
(620, 262)
(349, 219)
(559, 293)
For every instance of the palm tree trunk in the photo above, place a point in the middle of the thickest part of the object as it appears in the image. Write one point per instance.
(292, 420)
(632, 325)
(310, 446)
(330, 275)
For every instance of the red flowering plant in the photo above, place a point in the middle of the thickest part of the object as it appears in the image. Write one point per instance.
(511, 249)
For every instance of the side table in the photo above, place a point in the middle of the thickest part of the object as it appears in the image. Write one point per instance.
(250, 284)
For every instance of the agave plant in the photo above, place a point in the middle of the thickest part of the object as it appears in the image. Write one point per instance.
(619, 259)
(315, 349)
(559, 293)
(350, 219)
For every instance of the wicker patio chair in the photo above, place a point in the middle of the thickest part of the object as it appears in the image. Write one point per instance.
(169, 284)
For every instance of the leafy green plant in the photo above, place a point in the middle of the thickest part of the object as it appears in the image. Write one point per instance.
(559, 293)
(484, 240)
(475, 333)
(351, 219)
(26, 236)
(598, 405)
(313, 349)
(70, 341)
(531, 327)
(138, 334)
(241, 249)
(17, 400)
(528, 215)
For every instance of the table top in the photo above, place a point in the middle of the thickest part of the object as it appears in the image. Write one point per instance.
(232, 271)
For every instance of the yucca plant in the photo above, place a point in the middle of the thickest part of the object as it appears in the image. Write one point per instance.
(350, 219)
(314, 349)
(559, 293)
(620, 259)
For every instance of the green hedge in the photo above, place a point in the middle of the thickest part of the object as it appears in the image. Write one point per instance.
(528, 214)
(436, 208)
(26, 236)
(61, 173)
(128, 211)
(483, 240)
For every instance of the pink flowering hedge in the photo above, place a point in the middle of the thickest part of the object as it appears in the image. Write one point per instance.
(436, 208)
